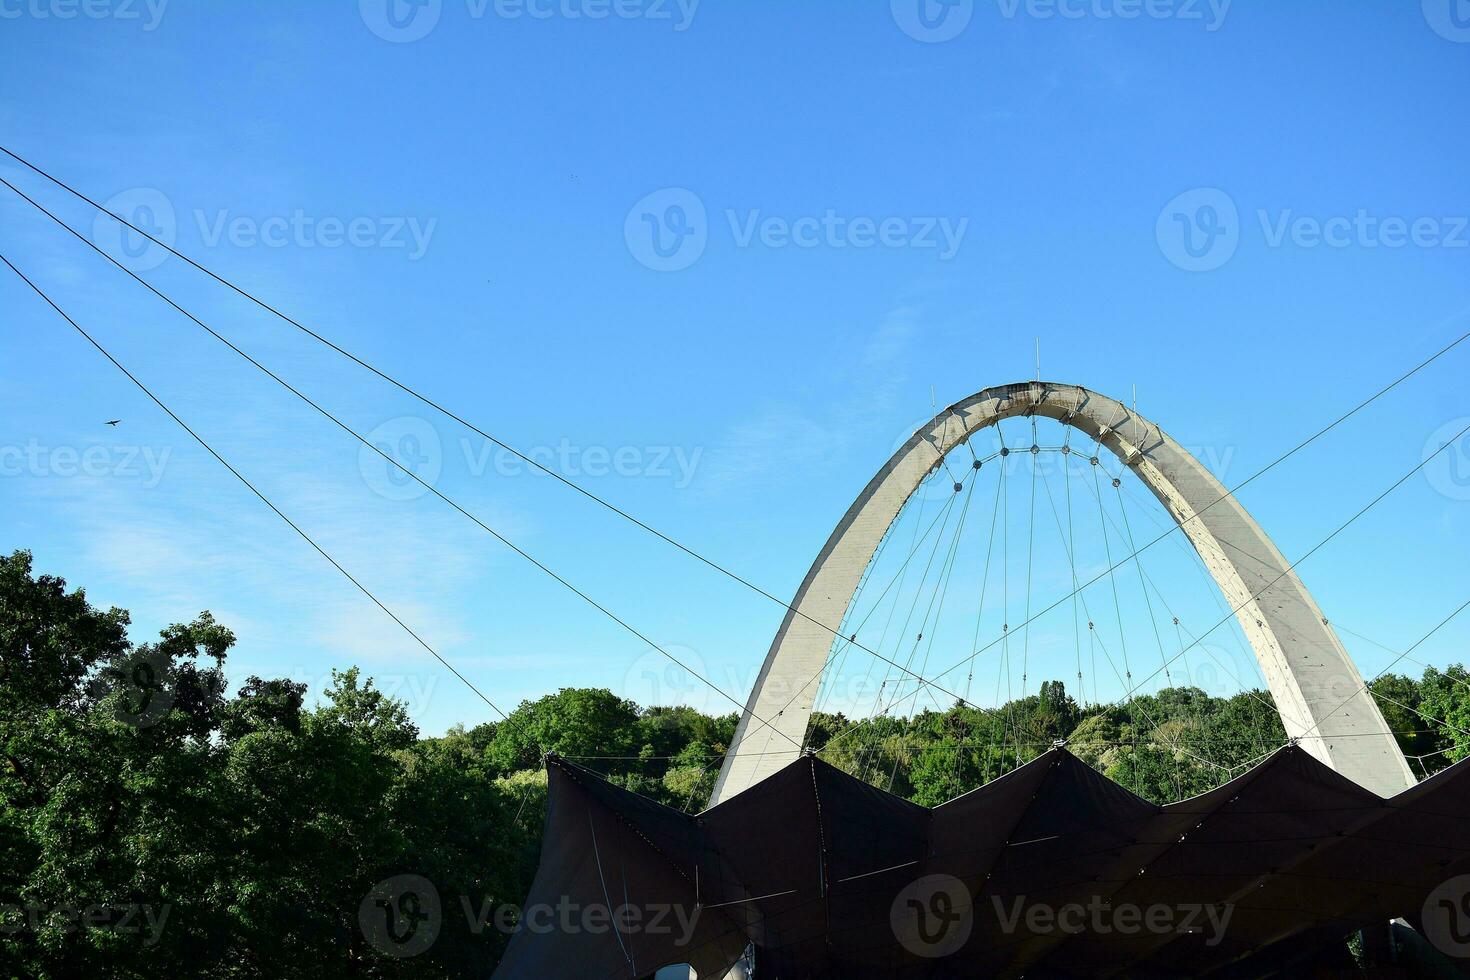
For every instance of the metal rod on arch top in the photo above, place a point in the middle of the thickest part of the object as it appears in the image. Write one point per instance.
(1306, 666)
(732, 575)
(1224, 494)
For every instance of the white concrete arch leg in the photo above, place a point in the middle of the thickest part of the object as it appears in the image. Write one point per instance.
(1318, 690)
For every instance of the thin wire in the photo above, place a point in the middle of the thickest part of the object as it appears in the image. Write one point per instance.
(903, 630)
(898, 578)
(252, 488)
(425, 399)
(1118, 613)
(923, 682)
(625, 515)
(1142, 584)
(1321, 544)
(1216, 739)
(1291, 567)
(1229, 493)
(1071, 542)
(1094, 640)
(1030, 561)
(1368, 685)
(394, 462)
(597, 853)
(1405, 655)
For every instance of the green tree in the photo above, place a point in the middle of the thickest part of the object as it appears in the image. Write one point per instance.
(576, 723)
(1445, 702)
(249, 829)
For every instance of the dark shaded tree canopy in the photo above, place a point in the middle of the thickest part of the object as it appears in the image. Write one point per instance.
(154, 824)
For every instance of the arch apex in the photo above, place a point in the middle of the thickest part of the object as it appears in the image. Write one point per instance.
(1318, 691)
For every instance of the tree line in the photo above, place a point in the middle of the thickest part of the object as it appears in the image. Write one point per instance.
(152, 823)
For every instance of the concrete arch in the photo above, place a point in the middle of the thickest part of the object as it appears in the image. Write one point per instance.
(1317, 688)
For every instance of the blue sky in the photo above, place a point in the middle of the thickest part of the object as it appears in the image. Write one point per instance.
(712, 261)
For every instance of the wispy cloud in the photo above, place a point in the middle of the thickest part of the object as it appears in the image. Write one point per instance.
(788, 436)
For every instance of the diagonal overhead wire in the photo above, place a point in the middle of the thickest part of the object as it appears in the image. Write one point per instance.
(1318, 547)
(251, 487)
(834, 630)
(415, 477)
(1368, 685)
(1289, 569)
(388, 458)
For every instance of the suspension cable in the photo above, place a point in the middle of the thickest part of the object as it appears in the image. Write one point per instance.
(612, 507)
(1323, 543)
(400, 467)
(251, 487)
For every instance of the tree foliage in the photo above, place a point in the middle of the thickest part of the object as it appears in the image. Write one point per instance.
(153, 824)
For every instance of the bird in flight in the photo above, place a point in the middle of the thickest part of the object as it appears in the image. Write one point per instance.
(113, 421)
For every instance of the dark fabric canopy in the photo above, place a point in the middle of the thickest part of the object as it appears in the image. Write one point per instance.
(1051, 870)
